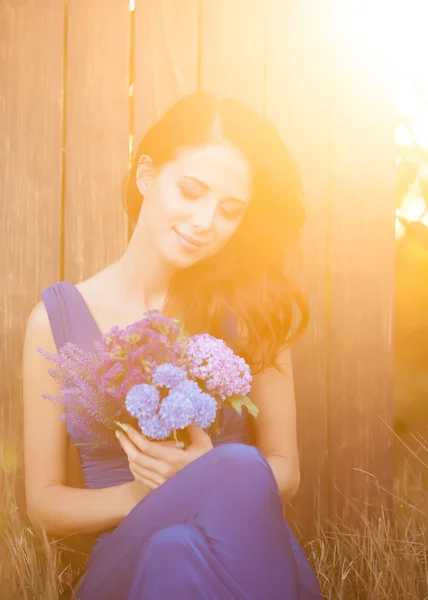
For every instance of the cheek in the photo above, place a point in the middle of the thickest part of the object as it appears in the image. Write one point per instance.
(171, 202)
(224, 232)
(166, 207)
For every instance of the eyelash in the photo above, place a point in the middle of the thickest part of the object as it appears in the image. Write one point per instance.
(228, 214)
(188, 195)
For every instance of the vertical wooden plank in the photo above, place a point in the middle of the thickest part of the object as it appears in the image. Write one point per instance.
(233, 49)
(361, 257)
(166, 58)
(31, 84)
(97, 134)
(297, 101)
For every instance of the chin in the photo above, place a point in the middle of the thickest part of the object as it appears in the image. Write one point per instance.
(179, 262)
(182, 263)
(179, 258)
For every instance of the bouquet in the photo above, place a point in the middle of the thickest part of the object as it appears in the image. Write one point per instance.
(152, 374)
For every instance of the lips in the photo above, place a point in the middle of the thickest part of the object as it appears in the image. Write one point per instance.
(189, 239)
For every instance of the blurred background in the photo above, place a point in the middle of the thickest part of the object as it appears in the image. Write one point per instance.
(411, 323)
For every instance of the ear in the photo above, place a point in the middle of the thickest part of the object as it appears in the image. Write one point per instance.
(145, 171)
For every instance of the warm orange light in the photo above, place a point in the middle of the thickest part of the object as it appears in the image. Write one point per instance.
(389, 34)
(413, 208)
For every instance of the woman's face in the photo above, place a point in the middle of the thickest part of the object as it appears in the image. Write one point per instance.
(194, 204)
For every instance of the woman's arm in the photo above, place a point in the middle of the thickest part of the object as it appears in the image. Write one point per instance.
(51, 504)
(275, 426)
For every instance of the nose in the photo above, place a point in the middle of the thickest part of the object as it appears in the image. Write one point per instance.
(204, 213)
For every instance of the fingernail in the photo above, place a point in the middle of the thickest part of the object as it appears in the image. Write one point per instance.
(117, 434)
(122, 425)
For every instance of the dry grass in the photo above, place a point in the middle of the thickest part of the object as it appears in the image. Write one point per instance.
(368, 560)
(387, 558)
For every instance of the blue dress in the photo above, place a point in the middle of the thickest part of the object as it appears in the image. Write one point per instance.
(213, 531)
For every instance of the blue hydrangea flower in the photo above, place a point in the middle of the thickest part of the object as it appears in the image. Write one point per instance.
(177, 410)
(189, 388)
(168, 375)
(155, 428)
(205, 410)
(142, 401)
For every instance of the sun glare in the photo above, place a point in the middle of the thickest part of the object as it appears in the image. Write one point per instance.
(389, 37)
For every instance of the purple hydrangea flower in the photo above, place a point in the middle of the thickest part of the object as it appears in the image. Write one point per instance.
(177, 410)
(142, 401)
(155, 428)
(205, 410)
(189, 388)
(224, 373)
(204, 405)
(168, 375)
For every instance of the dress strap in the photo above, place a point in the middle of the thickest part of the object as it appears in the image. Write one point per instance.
(69, 317)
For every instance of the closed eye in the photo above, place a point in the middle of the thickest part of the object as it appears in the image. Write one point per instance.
(188, 194)
(232, 214)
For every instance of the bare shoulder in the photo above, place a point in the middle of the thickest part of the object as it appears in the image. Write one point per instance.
(38, 327)
(39, 319)
(38, 324)
(39, 315)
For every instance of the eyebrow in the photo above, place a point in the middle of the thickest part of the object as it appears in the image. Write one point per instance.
(207, 187)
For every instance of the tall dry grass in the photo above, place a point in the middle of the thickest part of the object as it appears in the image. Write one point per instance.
(387, 559)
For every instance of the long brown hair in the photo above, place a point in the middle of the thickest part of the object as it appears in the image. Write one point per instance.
(247, 277)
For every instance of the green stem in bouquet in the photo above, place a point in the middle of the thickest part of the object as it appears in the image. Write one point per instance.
(178, 442)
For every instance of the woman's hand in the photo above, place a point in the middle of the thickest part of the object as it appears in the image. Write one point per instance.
(152, 463)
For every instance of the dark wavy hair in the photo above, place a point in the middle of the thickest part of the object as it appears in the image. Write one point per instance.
(247, 277)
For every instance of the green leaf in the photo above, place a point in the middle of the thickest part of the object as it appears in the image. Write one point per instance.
(237, 402)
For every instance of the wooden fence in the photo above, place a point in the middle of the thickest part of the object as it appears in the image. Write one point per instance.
(79, 80)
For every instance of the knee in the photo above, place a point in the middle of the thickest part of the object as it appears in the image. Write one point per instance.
(237, 452)
(174, 538)
(240, 463)
(240, 457)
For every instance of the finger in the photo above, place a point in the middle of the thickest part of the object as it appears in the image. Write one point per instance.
(130, 449)
(140, 473)
(150, 485)
(153, 464)
(168, 444)
(135, 436)
(138, 457)
(153, 449)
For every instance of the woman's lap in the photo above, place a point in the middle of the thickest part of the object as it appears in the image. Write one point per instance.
(225, 514)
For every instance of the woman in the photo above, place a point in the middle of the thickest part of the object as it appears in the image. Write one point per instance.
(216, 200)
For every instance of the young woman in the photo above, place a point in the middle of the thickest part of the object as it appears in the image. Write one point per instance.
(216, 199)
